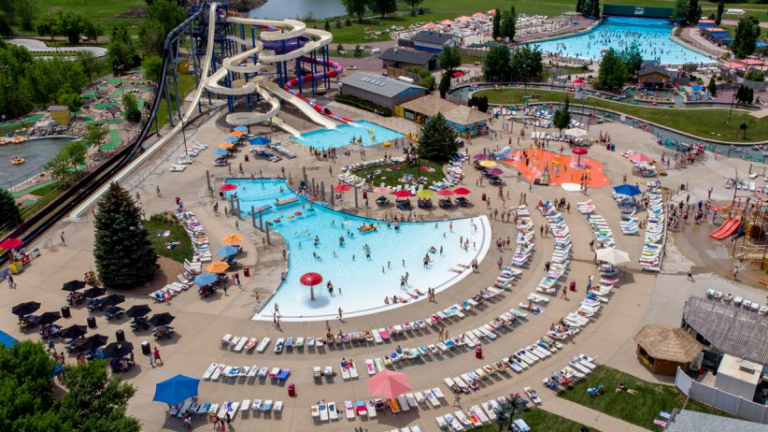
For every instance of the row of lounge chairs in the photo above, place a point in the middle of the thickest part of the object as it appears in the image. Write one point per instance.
(200, 244)
(474, 416)
(561, 254)
(328, 411)
(258, 406)
(653, 244)
(244, 343)
(526, 237)
(185, 159)
(737, 301)
(253, 373)
(578, 368)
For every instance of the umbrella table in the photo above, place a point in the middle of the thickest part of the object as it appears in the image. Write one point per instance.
(480, 156)
(402, 193)
(612, 256)
(488, 163)
(260, 140)
(342, 187)
(118, 349)
(579, 81)
(11, 243)
(94, 292)
(49, 318)
(73, 332)
(25, 308)
(231, 139)
(461, 191)
(232, 239)
(161, 319)
(243, 129)
(382, 190)
(228, 187)
(137, 311)
(424, 193)
(113, 300)
(217, 267)
(311, 279)
(176, 389)
(446, 22)
(495, 171)
(205, 279)
(445, 192)
(73, 285)
(228, 250)
(226, 145)
(220, 152)
(627, 189)
(388, 384)
(92, 342)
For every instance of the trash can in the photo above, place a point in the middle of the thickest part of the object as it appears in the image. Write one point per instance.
(120, 335)
(91, 322)
(479, 352)
(65, 312)
(145, 348)
(246, 271)
(292, 390)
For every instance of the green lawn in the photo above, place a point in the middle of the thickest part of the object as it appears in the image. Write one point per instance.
(640, 409)
(390, 178)
(161, 223)
(544, 421)
(709, 123)
(186, 85)
(104, 12)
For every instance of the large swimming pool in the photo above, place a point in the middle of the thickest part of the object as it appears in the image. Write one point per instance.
(369, 134)
(363, 282)
(652, 35)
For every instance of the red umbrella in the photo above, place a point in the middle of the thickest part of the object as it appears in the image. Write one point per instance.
(388, 384)
(637, 157)
(578, 81)
(458, 74)
(11, 243)
(461, 191)
(341, 187)
(228, 187)
(445, 192)
(311, 279)
(402, 193)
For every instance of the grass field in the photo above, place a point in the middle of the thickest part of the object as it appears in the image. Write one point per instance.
(710, 123)
(640, 409)
(390, 178)
(161, 223)
(104, 12)
(541, 420)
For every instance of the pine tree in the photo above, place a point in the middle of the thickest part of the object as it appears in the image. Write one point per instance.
(595, 8)
(712, 87)
(579, 5)
(496, 29)
(562, 117)
(750, 95)
(445, 85)
(123, 252)
(720, 9)
(438, 142)
(512, 26)
(10, 217)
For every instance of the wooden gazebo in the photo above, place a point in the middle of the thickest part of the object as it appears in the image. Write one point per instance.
(663, 349)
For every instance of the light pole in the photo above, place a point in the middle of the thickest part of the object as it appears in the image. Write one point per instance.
(184, 135)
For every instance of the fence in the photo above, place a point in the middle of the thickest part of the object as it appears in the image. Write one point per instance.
(395, 73)
(721, 400)
(473, 52)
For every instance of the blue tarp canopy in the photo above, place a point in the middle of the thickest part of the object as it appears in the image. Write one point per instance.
(175, 390)
(259, 140)
(220, 152)
(727, 39)
(718, 34)
(760, 44)
(627, 189)
(242, 129)
(706, 25)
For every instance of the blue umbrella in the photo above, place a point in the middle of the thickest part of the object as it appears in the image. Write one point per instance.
(231, 140)
(175, 390)
(627, 189)
(205, 279)
(229, 250)
(220, 152)
(259, 140)
(242, 129)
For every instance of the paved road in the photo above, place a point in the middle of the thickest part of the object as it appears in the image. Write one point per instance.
(35, 45)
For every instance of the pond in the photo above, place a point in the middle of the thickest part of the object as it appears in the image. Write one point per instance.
(281, 9)
(35, 153)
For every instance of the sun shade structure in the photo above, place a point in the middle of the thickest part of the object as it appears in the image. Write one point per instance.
(402, 193)
(73, 285)
(228, 187)
(640, 158)
(74, 331)
(205, 279)
(612, 256)
(445, 192)
(424, 193)
(311, 279)
(176, 389)
(136, 311)
(487, 163)
(388, 384)
(627, 189)
(26, 308)
(382, 190)
(226, 145)
(118, 349)
(342, 187)
(668, 344)
(11, 243)
(161, 319)
(232, 239)
(217, 267)
(461, 191)
(228, 250)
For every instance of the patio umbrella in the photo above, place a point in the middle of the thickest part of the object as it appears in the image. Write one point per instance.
(113, 300)
(495, 171)
(217, 267)
(576, 132)
(92, 342)
(11, 243)
(488, 163)
(446, 22)
(445, 192)
(232, 239)
(402, 193)
(478, 15)
(205, 279)
(226, 145)
(49, 318)
(640, 157)
(480, 156)
(118, 349)
(137, 311)
(161, 319)
(243, 129)
(228, 187)
(458, 74)
(260, 140)
(382, 190)
(579, 81)
(342, 187)
(424, 193)
(94, 292)
(220, 152)
(74, 331)
(25, 308)
(176, 389)
(231, 139)
(492, 12)
(461, 191)
(579, 152)
(73, 285)
(311, 279)
(612, 256)
(228, 250)
(462, 18)
(388, 384)
(626, 189)
(236, 133)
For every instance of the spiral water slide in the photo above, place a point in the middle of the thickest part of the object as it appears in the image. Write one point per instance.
(274, 33)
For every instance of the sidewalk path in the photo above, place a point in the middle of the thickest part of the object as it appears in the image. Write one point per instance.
(587, 416)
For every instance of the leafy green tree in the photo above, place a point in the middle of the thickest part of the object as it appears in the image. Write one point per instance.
(496, 65)
(47, 27)
(152, 37)
(632, 57)
(613, 71)
(496, 27)
(123, 251)
(6, 21)
(694, 12)
(356, 8)
(747, 33)
(93, 31)
(438, 142)
(11, 218)
(120, 51)
(445, 85)
(595, 12)
(450, 58)
(503, 415)
(27, 12)
(562, 119)
(131, 108)
(383, 7)
(339, 24)
(413, 3)
(90, 64)
(712, 86)
(95, 134)
(63, 166)
(72, 101)
(526, 63)
(46, 80)
(680, 11)
(26, 391)
(327, 26)
(579, 5)
(166, 12)
(720, 9)
(153, 68)
(71, 25)
(508, 25)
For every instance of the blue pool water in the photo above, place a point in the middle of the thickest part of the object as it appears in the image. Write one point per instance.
(362, 281)
(343, 135)
(652, 35)
(6, 339)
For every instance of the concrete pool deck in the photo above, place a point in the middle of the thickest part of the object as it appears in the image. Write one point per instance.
(200, 324)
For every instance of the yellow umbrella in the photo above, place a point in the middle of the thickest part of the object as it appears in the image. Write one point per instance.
(488, 164)
(226, 145)
(236, 134)
(424, 193)
(232, 239)
(217, 267)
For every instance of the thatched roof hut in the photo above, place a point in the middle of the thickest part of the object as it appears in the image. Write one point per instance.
(663, 349)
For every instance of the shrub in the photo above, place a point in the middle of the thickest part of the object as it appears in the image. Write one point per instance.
(358, 51)
(755, 75)
(364, 104)
(348, 22)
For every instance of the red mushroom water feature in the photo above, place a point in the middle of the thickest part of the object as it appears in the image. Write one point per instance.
(578, 151)
(311, 279)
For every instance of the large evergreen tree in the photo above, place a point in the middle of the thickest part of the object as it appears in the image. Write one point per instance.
(712, 86)
(450, 58)
(613, 70)
(720, 9)
(438, 140)
(508, 25)
(562, 117)
(747, 33)
(9, 211)
(496, 29)
(123, 252)
(496, 66)
(694, 12)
